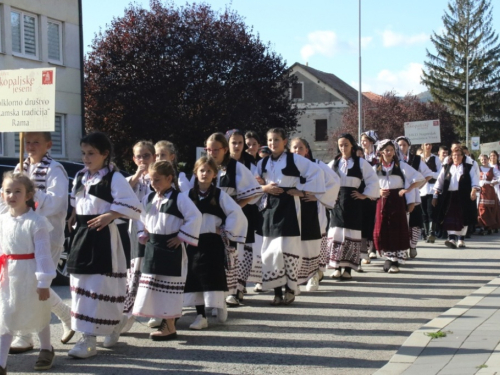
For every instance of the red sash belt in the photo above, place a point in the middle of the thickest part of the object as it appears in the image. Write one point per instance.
(5, 257)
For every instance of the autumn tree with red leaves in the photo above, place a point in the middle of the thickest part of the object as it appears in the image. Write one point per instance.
(182, 73)
(388, 114)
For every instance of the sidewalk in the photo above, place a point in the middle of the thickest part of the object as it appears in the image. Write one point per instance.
(471, 345)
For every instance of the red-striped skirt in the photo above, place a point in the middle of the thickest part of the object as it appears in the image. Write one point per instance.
(391, 226)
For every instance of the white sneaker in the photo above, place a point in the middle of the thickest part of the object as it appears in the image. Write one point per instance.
(373, 255)
(154, 322)
(232, 301)
(393, 269)
(128, 324)
(111, 340)
(84, 348)
(222, 314)
(366, 261)
(336, 274)
(461, 244)
(297, 291)
(21, 344)
(313, 283)
(199, 323)
(258, 288)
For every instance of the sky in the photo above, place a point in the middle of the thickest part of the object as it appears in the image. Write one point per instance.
(395, 34)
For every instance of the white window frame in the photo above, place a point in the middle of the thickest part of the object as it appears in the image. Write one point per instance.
(23, 47)
(302, 95)
(60, 24)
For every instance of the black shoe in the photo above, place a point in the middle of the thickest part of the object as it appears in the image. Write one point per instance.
(387, 265)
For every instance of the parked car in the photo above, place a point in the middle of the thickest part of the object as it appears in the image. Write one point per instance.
(8, 164)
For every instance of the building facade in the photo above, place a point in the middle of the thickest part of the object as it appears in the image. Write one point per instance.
(46, 33)
(322, 97)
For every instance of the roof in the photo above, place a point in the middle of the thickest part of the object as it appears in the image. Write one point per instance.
(334, 82)
(372, 96)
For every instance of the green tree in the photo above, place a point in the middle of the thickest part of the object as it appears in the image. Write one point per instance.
(467, 34)
(182, 73)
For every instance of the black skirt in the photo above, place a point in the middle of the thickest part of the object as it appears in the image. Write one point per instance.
(369, 212)
(309, 221)
(206, 262)
(159, 259)
(90, 250)
(348, 212)
(280, 216)
(416, 218)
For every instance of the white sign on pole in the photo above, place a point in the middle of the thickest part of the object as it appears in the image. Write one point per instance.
(27, 100)
(420, 132)
(200, 151)
(486, 148)
(474, 143)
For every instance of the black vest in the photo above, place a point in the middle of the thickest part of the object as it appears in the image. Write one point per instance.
(170, 207)
(289, 170)
(206, 207)
(396, 171)
(355, 171)
(414, 161)
(228, 180)
(101, 190)
(431, 163)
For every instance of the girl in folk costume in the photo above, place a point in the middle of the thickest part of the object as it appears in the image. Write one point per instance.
(427, 191)
(26, 270)
(206, 283)
(495, 163)
(416, 219)
(287, 177)
(166, 150)
(252, 142)
(144, 155)
(398, 183)
(369, 141)
(51, 184)
(236, 179)
(456, 188)
(170, 218)
(489, 212)
(97, 263)
(344, 234)
(250, 254)
(314, 222)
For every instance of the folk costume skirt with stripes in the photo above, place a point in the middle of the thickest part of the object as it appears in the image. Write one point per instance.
(391, 234)
(344, 234)
(310, 241)
(489, 214)
(161, 296)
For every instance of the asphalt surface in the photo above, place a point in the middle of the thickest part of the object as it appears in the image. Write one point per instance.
(346, 327)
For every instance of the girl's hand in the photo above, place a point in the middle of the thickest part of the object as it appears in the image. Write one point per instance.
(403, 192)
(174, 242)
(43, 294)
(142, 169)
(384, 193)
(260, 180)
(411, 207)
(434, 202)
(72, 220)
(272, 189)
(144, 237)
(357, 195)
(309, 198)
(217, 230)
(295, 193)
(473, 195)
(102, 221)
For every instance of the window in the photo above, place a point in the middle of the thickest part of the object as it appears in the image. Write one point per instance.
(24, 34)
(321, 130)
(58, 148)
(54, 36)
(297, 91)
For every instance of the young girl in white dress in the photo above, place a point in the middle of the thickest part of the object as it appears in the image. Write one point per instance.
(97, 262)
(26, 271)
(206, 283)
(170, 219)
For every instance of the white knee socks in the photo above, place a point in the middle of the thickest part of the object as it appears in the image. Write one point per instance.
(5, 341)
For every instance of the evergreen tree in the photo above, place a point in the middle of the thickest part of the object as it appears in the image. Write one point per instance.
(467, 34)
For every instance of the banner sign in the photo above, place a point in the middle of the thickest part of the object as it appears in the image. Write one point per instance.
(27, 100)
(420, 132)
(474, 141)
(486, 148)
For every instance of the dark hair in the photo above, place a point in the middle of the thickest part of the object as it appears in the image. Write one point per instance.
(351, 140)
(443, 147)
(252, 134)
(279, 131)
(232, 132)
(194, 192)
(395, 157)
(165, 168)
(101, 142)
(496, 153)
(309, 154)
(25, 180)
(465, 148)
(221, 138)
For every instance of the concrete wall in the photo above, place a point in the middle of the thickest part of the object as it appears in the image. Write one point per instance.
(313, 93)
(68, 91)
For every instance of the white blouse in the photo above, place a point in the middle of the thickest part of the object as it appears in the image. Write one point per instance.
(456, 172)
(369, 176)
(391, 181)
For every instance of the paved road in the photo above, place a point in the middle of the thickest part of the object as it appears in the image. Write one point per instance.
(344, 328)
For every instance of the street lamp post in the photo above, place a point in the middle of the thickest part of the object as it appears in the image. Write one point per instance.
(466, 102)
(360, 103)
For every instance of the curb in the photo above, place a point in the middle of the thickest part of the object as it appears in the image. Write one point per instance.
(418, 340)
